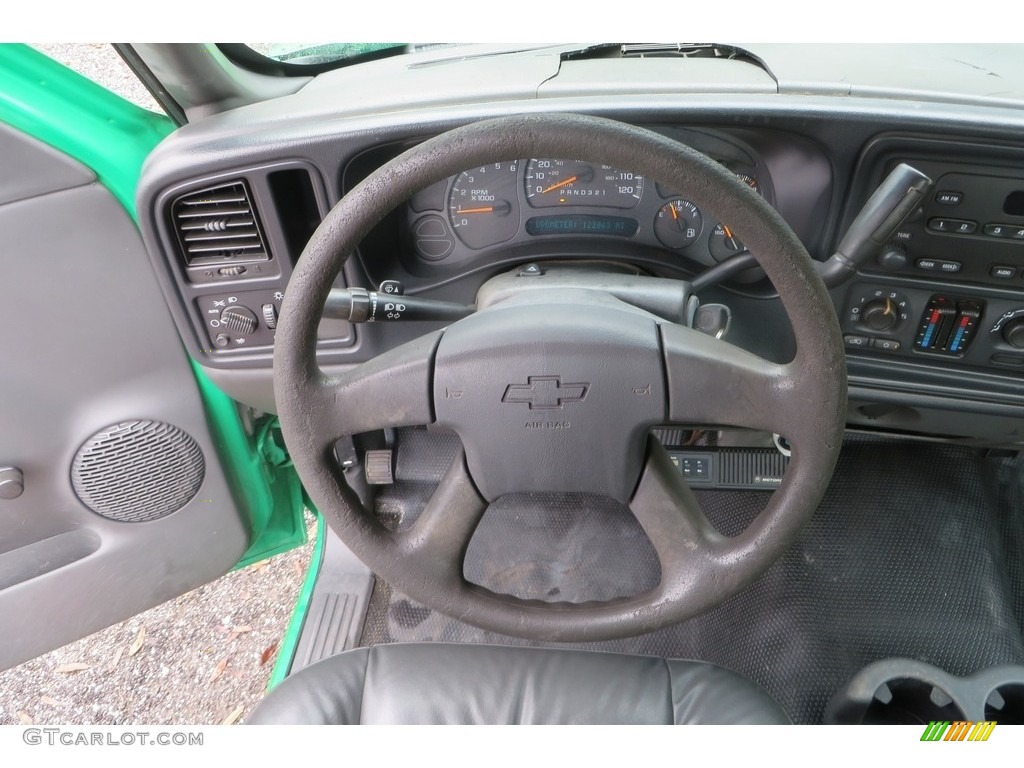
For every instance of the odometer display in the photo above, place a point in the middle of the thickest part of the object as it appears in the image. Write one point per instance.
(582, 224)
(565, 183)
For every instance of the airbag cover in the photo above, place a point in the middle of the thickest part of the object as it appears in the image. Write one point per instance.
(552, 397)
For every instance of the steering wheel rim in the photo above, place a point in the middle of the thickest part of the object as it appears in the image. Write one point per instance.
(706, 381)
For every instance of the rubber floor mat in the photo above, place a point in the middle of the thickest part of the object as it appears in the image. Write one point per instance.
(1008, 477)
(914, 552)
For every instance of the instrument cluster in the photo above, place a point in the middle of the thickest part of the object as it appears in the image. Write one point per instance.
(531, 202)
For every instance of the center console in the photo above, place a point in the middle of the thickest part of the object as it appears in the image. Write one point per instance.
(948, 288)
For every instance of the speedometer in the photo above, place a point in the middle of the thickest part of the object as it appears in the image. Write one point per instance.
(563, 183)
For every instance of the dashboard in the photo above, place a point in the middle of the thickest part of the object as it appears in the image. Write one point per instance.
(557, 207)
(933, 326)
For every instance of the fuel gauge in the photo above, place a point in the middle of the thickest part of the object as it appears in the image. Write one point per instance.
(678, 223)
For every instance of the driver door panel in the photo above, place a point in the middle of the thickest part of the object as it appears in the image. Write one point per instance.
(89, 345)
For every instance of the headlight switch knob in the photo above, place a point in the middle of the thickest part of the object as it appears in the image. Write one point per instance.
(240, 320)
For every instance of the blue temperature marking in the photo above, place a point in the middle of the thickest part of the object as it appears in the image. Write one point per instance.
(926, 341)
(955, 346)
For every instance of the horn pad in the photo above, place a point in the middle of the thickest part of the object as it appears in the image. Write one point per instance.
(552, 397)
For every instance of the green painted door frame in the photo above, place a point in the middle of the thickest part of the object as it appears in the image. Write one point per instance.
(112, 137)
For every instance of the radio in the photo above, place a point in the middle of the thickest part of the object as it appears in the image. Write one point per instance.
(971, 229)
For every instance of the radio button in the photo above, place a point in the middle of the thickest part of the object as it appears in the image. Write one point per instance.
(953, 226)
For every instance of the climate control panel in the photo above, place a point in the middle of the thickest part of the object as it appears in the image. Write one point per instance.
(948, 325)
(920, 323)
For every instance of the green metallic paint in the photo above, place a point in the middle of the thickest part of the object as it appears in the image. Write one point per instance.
(260, 472)
(290, 641)
(113, 137)
(71, 113)
(261, 476)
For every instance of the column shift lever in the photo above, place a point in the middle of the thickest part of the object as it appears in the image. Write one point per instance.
(899, 195)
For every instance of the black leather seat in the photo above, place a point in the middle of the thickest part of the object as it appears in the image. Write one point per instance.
(436, 683)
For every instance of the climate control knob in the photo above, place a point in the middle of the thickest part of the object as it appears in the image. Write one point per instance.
(879, 310)
(240, 320)
(881, 314)
(1013, 333)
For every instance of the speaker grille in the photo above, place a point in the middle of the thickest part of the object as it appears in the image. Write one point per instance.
(138, 471)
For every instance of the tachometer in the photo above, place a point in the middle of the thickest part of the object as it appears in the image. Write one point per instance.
(555, 183)
(483, 206)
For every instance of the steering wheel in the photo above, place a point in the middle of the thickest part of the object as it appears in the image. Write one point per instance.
(558, 393)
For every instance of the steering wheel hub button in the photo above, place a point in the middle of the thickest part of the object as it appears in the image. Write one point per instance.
(555, 397)
(545, 392)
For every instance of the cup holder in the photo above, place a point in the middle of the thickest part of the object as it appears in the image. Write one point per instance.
(1005, 704)
(910, 701)
(910, 692)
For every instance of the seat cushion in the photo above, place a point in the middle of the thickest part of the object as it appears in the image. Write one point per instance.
(431, 683)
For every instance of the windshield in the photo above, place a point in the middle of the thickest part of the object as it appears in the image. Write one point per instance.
(978, 73)
(314, 54)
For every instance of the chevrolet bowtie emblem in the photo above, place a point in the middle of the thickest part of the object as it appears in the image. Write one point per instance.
(545, 392)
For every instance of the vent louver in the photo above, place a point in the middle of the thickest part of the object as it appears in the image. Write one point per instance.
(218, 225)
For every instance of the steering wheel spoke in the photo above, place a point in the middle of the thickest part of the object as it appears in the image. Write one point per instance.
(714, 383)
(439, 538)
(671, 517)
(392, 390)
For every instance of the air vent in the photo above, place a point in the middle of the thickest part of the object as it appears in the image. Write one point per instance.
(219, 226)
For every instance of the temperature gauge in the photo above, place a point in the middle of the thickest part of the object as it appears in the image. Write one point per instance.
(724, 243)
